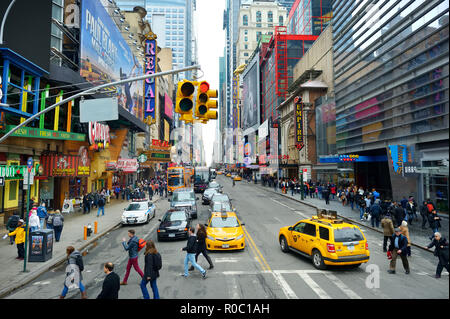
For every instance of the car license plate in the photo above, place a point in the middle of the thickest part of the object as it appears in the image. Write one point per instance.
(225, 246)
(351, 248)
(131, 221)
(171, 235)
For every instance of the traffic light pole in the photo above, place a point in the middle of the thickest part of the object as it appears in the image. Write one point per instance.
(92, 90)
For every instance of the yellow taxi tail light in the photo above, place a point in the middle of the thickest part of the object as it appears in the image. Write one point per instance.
(367, 246)
(331, 248)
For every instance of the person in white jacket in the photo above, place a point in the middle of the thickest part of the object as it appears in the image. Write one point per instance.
(34, 221)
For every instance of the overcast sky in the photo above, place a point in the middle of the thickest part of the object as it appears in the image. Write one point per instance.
(211, 40)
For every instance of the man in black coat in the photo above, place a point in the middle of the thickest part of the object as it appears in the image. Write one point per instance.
(441, 251)
(111, 284)
(399, 214)
(398, 247)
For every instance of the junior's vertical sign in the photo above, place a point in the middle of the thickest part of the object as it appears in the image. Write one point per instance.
(150, 84)
(299, 123)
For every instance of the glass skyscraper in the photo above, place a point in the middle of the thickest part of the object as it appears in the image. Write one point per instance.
(172, 22)
(392, 95)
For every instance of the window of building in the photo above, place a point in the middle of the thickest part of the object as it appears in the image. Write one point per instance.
(258, 36)
(245, 20)
(270, 16)
(245, 54)
(281, 21)
(258, 19)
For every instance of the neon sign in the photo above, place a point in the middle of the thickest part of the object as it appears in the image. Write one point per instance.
(150, 84)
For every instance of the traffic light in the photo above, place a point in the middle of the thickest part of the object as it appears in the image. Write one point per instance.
(185, 100)
(205, 103)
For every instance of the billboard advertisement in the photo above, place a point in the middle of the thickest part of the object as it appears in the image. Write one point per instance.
(106, 57)
(250, 96)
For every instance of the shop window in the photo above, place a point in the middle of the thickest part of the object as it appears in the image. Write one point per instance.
(13, 185)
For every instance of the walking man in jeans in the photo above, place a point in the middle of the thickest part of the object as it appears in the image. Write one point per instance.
(132, 247)
(398, 247)
(101, 205)
(191, 250)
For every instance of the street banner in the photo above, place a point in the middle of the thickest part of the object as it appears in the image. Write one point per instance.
(150, 84)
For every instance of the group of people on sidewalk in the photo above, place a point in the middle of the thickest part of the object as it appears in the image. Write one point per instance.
(38, 219)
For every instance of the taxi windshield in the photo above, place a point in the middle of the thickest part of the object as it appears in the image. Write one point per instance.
(346, 234)
(227, 222)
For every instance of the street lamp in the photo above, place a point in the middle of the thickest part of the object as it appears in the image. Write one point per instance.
(4, 20)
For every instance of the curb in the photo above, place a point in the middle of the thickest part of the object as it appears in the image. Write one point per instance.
(343, 217)
(58, 260)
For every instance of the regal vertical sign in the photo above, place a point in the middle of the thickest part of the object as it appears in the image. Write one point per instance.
(150, 84)
(299, 124)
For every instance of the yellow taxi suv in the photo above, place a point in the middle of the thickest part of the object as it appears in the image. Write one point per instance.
(224, 232)
(326, 240)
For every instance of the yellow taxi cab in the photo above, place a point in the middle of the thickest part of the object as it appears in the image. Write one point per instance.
(224, 232)
(326, 240)
(219, 173)
(228, 175)
(237, 178)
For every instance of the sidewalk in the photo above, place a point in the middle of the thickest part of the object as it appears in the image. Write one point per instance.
(419, 237)
(12, 276)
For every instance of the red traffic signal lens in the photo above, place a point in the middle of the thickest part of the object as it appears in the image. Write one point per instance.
(204, 87)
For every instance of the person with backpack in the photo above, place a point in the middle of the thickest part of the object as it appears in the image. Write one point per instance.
(101, 205)
(42, 214)
(111, 283)
(132, 246)
(191, 250)
(375, 213)
(74, 269)
(153, 263)
(19, 239)
(58, 224)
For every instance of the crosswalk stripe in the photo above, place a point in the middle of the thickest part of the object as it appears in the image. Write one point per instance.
(350, 293)
(314, 286)
(290, 294)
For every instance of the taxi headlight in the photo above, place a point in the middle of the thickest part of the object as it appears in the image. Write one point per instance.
(240, 237)
(211, 238)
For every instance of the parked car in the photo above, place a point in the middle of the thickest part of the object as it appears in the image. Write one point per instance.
(184, 197)
(207, 194)
(174, 224)
(138, 212)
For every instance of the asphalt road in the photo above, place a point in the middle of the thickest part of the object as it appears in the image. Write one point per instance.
(261, 271)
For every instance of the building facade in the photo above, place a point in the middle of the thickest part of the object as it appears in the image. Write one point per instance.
(391, 95)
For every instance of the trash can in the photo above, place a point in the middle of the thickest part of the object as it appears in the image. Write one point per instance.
(41, 245)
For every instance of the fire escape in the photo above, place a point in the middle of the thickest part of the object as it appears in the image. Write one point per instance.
(281, 59)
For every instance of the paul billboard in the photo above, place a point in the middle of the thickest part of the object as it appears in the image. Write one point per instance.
(106, 56)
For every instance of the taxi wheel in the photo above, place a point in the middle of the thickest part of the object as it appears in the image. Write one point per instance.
(284, 245)
(317, 260)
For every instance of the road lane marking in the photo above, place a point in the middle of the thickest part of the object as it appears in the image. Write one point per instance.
(255, 249)
(233, 288)
(301, 214)
(290, 294)
(282, 204)
(226, 260)
(345, 289)
(314, 286)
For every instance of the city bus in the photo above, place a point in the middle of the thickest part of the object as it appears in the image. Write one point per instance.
(175, 178)
(202, 177)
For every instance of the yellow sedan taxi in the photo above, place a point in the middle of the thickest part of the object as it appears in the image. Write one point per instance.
(224, 232)
(326, 240)
(228, 175)
(237, 178)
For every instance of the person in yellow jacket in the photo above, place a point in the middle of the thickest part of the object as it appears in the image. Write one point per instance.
(19, 232)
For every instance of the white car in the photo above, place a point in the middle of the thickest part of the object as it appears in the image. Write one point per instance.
(138, 212)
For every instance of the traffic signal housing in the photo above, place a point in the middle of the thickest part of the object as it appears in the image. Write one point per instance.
(185, 100)
(205, 102)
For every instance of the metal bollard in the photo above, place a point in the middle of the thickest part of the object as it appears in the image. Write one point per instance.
(95, 227)
(85, 233)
